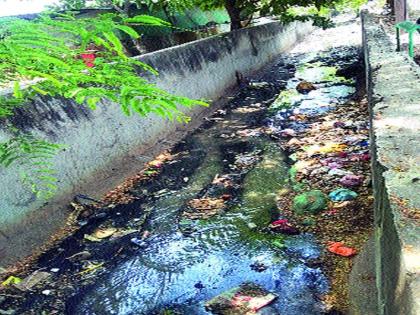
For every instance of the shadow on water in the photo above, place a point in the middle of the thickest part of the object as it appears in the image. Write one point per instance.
(180, 271)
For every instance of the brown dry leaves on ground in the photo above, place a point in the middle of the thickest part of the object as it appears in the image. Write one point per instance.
(121, 194)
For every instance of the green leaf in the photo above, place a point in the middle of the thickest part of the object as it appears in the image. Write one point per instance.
(39, 90)
(92, 101)
(128, 30)
(114, 40)
(17, 93)
(146, 20)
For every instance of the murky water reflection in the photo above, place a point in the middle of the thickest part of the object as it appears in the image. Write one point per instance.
(180, 272)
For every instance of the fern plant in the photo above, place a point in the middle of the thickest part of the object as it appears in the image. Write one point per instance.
(43, 57)
(34, 158)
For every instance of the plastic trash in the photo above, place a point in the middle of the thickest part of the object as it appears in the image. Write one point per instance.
(279, 243)
(311, 202)
(351, 180)
(283, 226)
(342, 155)
(330, 147)
(334, 165)
(342, 194)
(364, 157)
(91, 268)
(140, 243)
(248, 298)
(89, 59)
(102, 233)
(364, 143)
(338, 248)
(33, 280)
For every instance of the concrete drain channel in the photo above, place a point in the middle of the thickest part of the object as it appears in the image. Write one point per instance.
(260, 209)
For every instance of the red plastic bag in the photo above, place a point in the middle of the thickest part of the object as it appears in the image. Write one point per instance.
(339, 249)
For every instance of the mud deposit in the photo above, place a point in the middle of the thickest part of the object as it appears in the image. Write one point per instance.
(196, 222)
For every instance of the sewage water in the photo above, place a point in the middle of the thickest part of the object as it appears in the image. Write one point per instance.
(187, 262)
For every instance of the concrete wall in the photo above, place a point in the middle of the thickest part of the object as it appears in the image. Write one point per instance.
(105, 146)
(394, 97)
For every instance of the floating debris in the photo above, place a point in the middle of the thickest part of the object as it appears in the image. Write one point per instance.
(258, 267)
(283, 226)
(11, 280)
(138, 242)
(102, 233)
(84, 255)
(305, 87)
(33, 280)
(204, 208)
(91, 268)
(249, 298)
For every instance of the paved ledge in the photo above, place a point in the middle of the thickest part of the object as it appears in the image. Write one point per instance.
(394, 96)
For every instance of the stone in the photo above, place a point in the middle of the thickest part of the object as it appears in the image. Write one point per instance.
(305, 87)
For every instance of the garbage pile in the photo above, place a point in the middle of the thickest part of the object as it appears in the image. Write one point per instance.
(331, 171)
(327, 137)
(324, 129)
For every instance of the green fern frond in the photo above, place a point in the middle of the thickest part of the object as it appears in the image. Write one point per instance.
(36, 155)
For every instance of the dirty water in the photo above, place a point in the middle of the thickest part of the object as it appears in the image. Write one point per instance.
(181, 271)
(185, 262)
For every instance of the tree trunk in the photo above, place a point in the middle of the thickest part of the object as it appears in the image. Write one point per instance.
(232, 7)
